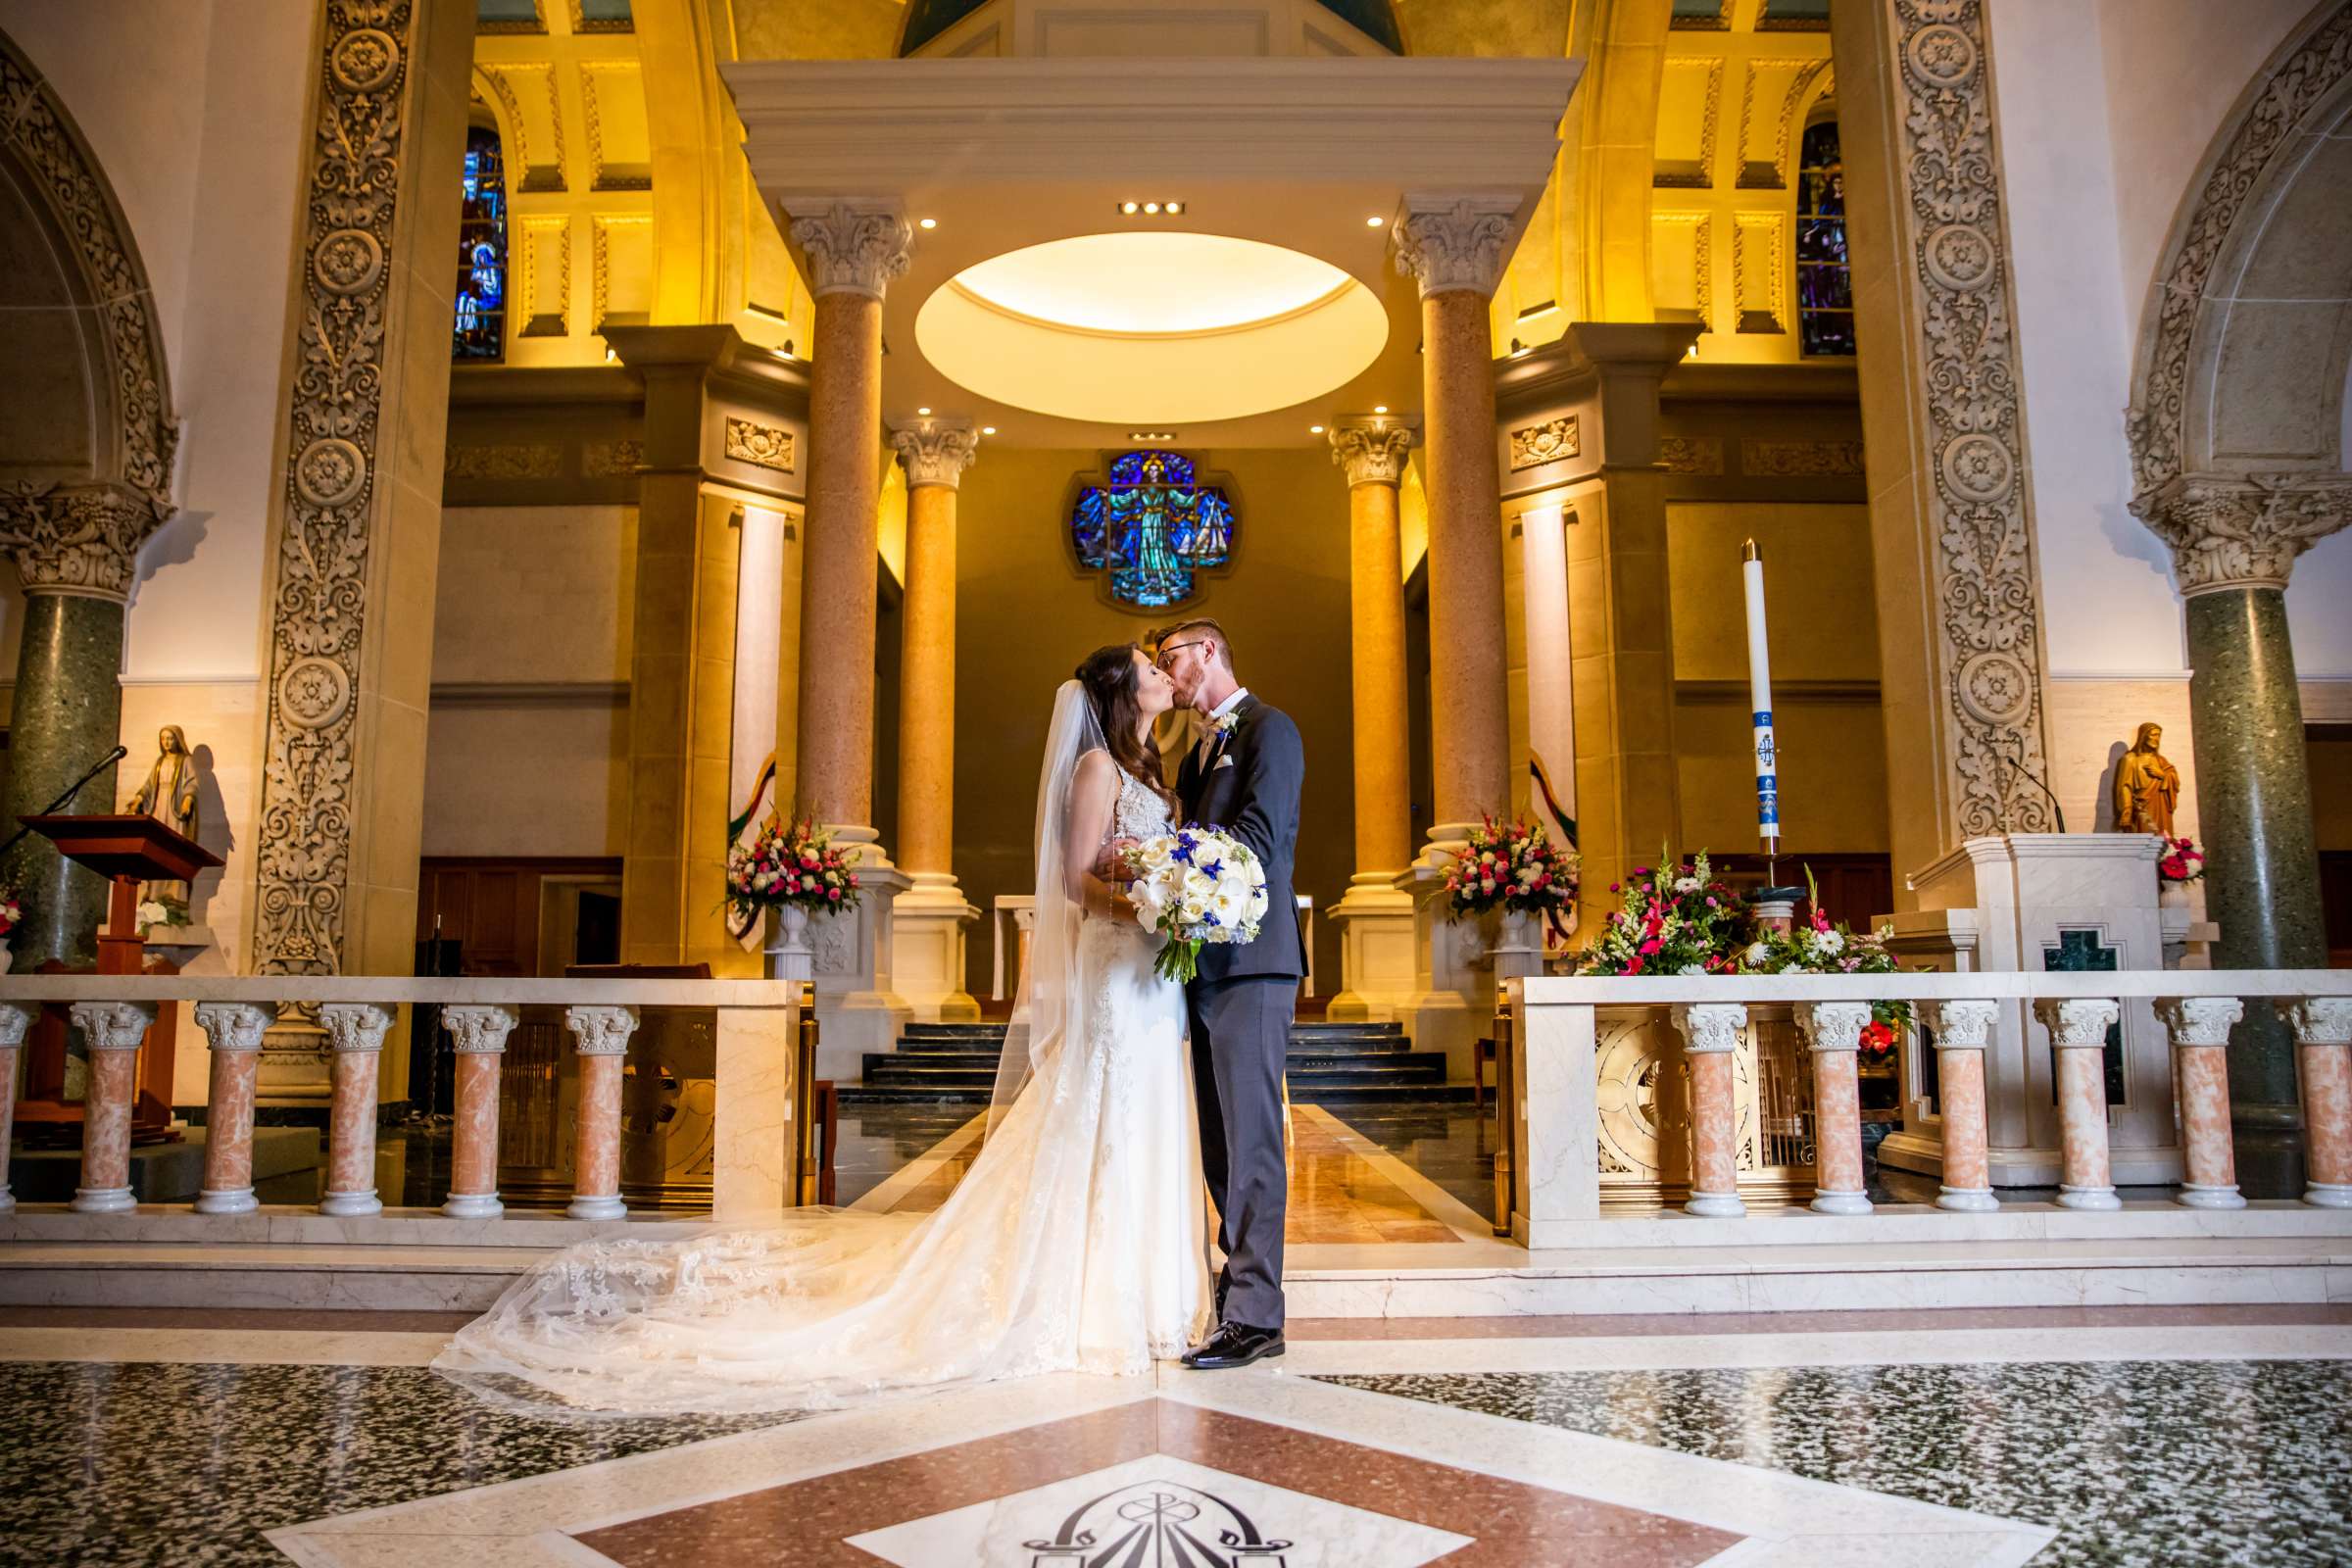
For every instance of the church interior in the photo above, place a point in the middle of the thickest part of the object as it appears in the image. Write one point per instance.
(1851, 495)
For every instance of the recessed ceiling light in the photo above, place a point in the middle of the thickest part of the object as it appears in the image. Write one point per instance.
(1314, 429)
(1150, 435)
(923, 412)
(1129, 208)
(1150, 206)
(1175, 206)
(1374, 222)
(1379, 407)
(928, 223)
(988, 429)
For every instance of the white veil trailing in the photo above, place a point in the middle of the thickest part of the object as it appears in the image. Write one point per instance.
(1046, 1013)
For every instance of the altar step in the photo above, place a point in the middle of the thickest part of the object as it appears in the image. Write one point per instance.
(1329, 1063)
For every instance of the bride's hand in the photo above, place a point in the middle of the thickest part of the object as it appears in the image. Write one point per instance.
(1112, 866)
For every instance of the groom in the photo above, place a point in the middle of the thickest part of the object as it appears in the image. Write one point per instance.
(1244, 775)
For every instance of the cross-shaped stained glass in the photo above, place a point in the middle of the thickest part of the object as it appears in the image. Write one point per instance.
(1153, 527)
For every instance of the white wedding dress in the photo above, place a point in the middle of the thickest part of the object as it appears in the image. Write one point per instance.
(1075, 1243)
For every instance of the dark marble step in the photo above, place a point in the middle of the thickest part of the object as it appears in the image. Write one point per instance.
(1323, 1060)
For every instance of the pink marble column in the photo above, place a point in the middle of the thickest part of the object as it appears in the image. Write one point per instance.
(354, 1032)
(2200, 1030)
(112, 1030)
(1833, 1031)
(15, 1021)
(233, 1030)
(602, 1034)
(2323, 1030)
(1963, 1031)
(1711, 1032)
(2078, 1043)
(480, 1034)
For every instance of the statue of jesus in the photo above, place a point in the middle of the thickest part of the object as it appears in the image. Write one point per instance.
(2146, 786)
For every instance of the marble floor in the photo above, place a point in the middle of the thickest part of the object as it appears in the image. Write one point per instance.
(2136, 1436)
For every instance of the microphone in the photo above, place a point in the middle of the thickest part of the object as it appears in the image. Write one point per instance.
(62, 800)
(2018, 763)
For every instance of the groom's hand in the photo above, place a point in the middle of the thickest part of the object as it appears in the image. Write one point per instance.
(1112, 867)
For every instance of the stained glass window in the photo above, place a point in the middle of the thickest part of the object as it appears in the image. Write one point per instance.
(481, 324)
(1824, 282)
(1151, 528)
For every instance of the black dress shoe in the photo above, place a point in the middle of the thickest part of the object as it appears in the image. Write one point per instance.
(1232, 1344)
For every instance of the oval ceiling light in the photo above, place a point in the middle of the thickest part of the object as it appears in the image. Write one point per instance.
(1152, 327)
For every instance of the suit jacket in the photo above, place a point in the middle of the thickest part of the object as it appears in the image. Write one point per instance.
(1250, 787)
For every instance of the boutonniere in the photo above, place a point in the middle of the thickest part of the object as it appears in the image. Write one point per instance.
(1230, 725)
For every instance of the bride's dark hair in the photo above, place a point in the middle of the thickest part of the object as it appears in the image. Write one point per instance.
(1108, 675)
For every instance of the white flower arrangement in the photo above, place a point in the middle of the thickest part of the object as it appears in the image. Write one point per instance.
(1195, 886)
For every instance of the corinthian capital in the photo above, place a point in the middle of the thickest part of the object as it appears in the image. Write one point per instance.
(1371, 454)
(853, 250)
(1457, 245)
(2231, 530)
(935, 454)
(79, 540)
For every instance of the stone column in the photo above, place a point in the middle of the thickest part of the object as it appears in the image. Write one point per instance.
(480, 1034)
(233, 1030)
(15, 1021)
(2199, 1028)
(929, 918)
(355, 1033)
(2235, 540)
(602, 1034)
(1711, 1032)
(2322, 1031)
(75, 550)
(1832, 1032)
(2079, 1044)
(853, 250)
(1375, 916)
(1963, 1031)
(113, 1031)
(1454, 249)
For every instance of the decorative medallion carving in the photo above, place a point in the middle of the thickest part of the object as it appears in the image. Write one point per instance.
(1552, 441)
(935, 454)
(2265, 134)
(1455, 247)
(1701, 454)
(763, 446)
(319, 595)
(1989, 611)
(853, 250)
(79, 539)
(1371, 454)
(38, 136)
(2231, 530)
(1800, 460)
(517, 460)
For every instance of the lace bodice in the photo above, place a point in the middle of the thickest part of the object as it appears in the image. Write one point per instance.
(1140, 813)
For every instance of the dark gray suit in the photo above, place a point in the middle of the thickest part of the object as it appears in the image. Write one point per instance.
(1243, 1001)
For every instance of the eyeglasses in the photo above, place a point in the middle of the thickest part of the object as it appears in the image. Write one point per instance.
(1177, 647)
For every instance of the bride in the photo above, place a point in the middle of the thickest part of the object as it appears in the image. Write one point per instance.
(1075, 1243)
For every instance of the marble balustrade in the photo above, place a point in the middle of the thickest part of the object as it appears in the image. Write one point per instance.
(757, 1029)
(1558, 1023)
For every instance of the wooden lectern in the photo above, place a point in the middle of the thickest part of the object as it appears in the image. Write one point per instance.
(128, 850)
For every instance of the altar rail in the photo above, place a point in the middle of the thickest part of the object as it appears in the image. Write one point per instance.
(1553, 1155)
(760, 1166)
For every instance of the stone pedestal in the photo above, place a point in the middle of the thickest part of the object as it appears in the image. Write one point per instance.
(1377, 946)
(927, 936)
(1452, 995)
(2005, 903)
(858, 1008)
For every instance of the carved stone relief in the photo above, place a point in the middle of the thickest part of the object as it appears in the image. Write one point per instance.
(320, 593)
(1800, 460)
(1550, 441)
(1987, 600)
(614, 460)
(763, 446)
(509, 461)
(1701, 454)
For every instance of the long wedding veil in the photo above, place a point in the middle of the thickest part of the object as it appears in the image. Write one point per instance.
(1044, 1015)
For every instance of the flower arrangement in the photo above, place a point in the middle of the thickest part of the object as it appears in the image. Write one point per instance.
(161, 910)
(1195, 886)
(793, 865)
(2182, 864)
(1511, 865)
(11, 913)
(1678, 920)
(1826, 948)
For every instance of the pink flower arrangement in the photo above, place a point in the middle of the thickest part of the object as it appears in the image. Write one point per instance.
(2182, 862)
(11, 913)
(1823, 947)
(790, 864)
(1677, 921)
(1511, 865)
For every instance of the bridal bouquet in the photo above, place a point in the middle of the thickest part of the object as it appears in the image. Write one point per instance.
(1196, 885)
